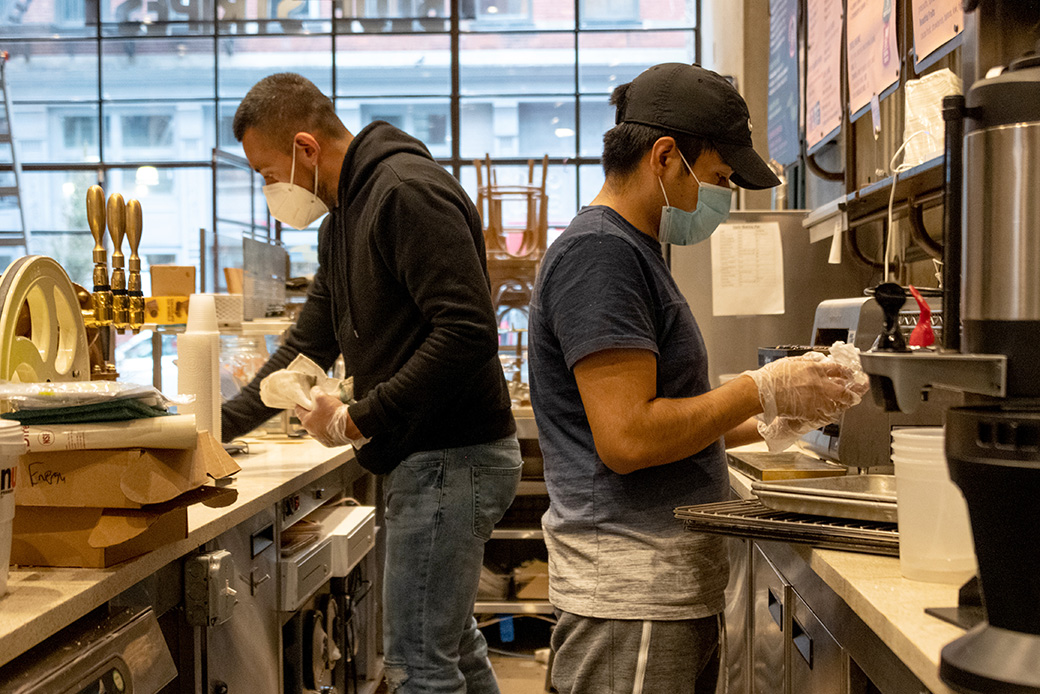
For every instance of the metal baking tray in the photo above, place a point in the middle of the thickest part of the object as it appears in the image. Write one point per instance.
(861, 497)
(749, 518)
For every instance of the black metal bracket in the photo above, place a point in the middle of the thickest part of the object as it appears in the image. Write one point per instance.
(852, 246)
(915, 213)
(815, 167)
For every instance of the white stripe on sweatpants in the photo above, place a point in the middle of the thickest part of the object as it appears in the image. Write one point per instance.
(642, 658)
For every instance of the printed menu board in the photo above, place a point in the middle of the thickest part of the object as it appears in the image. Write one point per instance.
(873, 58)
(935, 22)
(783, 104)
(822, 71)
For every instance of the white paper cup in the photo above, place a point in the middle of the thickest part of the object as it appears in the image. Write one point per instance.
(935, 542)
(12, 445)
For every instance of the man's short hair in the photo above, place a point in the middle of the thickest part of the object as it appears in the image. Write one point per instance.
(281, 105)
(625, 145)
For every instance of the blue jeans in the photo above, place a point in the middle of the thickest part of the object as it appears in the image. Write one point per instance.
(440, 509)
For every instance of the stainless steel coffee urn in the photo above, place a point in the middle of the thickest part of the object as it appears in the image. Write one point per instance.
(993, 443)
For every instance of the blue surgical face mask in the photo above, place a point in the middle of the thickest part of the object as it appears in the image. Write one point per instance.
(684, 228)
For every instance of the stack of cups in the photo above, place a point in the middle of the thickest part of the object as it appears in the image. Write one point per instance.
(934, 532)
(198, 364)
(12, 445)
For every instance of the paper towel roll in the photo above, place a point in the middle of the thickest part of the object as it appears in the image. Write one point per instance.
(198, 365)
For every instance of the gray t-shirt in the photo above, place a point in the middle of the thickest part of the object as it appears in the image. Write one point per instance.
(616, 550)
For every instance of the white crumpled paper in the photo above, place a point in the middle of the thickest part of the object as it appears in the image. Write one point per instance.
(780, 432)
(286, 388)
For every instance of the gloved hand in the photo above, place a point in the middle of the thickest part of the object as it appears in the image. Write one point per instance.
(799, 394)
(329, 421)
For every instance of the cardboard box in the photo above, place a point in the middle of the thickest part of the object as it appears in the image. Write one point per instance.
(91, 537)
(166, 310)
(173, 280)
(531, 580)
(125, 478)
(98, 538)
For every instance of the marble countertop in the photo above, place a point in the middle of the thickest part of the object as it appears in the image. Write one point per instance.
(890, 605)
(41, 601)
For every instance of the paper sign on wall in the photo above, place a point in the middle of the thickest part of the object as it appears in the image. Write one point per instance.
(747, 270)
(935, 22)
(784, 96)
(873, 56)
(823, 71)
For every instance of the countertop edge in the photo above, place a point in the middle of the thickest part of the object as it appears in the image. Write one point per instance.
(92, 588)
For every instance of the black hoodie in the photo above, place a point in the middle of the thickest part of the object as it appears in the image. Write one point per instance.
(402, 291)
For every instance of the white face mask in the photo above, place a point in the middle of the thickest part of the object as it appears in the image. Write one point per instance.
(292, 204)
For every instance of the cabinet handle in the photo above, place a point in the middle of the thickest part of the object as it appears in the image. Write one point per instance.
(802, 641)
(776, 608)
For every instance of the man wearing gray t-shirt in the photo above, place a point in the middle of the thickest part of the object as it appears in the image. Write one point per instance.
(629, 425)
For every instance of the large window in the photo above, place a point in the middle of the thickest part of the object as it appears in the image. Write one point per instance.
(136, 94)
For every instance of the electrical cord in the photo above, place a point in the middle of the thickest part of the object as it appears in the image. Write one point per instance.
(896, 170)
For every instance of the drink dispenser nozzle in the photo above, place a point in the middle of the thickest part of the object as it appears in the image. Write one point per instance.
(134, 295)
(102, 294)
(891, 297)
(117, 229)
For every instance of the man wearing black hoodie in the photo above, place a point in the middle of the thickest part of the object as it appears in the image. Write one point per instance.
(402, 292)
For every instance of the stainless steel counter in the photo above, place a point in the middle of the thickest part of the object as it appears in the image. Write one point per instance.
(890, 606)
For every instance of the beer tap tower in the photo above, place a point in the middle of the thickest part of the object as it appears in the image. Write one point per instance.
(44, 322)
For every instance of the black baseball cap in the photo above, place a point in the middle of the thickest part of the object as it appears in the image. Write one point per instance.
(689, 99)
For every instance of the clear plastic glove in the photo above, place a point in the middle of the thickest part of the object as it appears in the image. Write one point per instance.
(291, 386)
(329, 421)
(799, 394)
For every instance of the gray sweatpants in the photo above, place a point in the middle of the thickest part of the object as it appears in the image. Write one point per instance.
(621, 656)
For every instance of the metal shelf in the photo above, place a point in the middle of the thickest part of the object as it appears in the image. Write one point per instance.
(517, 534)
(514, 607)
(924, 180)
(531, 488)
(525, 426)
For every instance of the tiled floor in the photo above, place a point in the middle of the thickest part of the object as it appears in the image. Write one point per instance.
(513, 657)
(519, 675)
(515, 675)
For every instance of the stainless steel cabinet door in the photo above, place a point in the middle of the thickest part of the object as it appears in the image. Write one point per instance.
(245, 652)
(736, 673)
(768, 630)
(817, 662)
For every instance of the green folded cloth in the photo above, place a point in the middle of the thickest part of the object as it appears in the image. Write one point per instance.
(108, 411)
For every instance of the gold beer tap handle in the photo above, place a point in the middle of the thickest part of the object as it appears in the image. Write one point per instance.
(134, 295)
(96, 220)
(117, 229)
(101, 297)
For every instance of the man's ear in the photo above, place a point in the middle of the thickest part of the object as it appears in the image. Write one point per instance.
(663, 148)
(307, 147)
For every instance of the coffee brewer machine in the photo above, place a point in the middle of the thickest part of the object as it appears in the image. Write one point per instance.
(993, 442)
